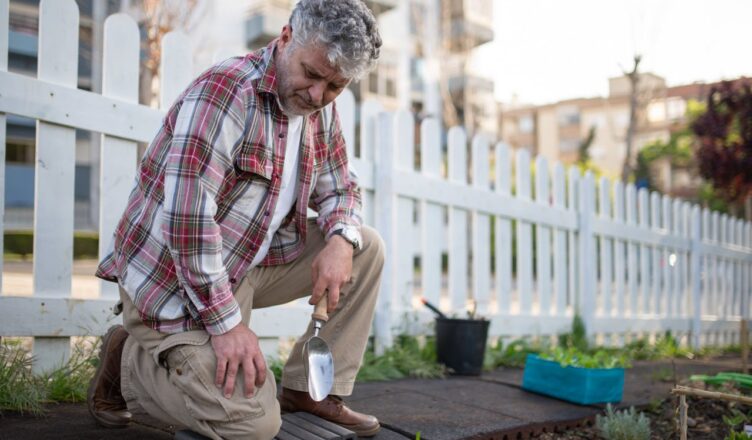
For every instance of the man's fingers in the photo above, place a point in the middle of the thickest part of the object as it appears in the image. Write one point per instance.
(219, 378)
(260, 369)
(249, 375)
(318, 290)
(232, 372)
(333, 298)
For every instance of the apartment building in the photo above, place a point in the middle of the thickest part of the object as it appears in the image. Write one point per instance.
(558, 129)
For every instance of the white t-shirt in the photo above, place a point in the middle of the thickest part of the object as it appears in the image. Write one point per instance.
(287, 186)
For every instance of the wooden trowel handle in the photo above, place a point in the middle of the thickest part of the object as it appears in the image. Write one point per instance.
(319, 310)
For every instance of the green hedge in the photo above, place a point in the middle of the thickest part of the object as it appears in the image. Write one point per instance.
(85, 244)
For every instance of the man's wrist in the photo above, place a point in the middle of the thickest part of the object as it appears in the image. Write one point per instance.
(350, 235)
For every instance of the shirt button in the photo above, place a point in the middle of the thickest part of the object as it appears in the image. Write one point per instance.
(179, 372)
(233, 281)
(266, 213)
(281, 135)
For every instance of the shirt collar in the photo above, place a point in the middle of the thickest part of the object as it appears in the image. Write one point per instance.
(267, 82)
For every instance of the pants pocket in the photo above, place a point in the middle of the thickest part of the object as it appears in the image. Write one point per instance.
(192, 366)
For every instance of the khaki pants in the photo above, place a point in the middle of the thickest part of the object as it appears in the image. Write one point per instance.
(171, 377)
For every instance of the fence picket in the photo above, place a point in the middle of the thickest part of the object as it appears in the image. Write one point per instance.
(405, 160)
(645, 281)
(458, 249)
(587, 300)
(432, 215)
(176, 67)
(543, 238)
(707, 292)
(676, 216)
(524, 236)
(369, 112)
(118, 156)
(668, 273)
(656, 287)
(560, 243)
(346, 111)
(503, 239)
(620, 270)
(54, 173)
(481, 228)
(632, 288)
(385, 141)
(573, 184)
(696, 277)
(606, 251)
(4, 24)
(686, 217)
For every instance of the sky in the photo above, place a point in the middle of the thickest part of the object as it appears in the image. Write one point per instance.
(549, 50)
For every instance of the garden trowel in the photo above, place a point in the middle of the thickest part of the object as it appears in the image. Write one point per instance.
(317, 357)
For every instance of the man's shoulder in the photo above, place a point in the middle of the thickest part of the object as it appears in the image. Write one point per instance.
(240, 70)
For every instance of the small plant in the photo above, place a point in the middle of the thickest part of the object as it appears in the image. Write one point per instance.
(623, 425)
(511, 355)
(19, 390)
(733, 435)
(577, 338)
(70, 382)
(573, 357)
(405, 359)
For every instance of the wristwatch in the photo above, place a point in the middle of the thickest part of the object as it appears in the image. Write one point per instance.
(351, 235)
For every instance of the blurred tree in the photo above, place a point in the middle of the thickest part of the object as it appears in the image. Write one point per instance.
(724, 141)
(155, 19)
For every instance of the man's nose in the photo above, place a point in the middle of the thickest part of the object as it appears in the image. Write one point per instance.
(316, 91)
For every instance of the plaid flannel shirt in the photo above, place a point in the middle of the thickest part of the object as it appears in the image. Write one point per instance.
(206, 190)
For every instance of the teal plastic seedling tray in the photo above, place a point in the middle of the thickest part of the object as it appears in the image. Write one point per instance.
(584, 386)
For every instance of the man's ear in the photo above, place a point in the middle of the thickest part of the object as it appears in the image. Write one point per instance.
(285, 37)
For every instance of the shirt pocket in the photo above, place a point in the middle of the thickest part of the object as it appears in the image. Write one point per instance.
(254, 162)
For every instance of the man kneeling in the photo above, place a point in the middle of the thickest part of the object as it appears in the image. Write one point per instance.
(216, 226)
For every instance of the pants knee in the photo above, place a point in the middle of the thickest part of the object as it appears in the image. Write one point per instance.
(374, 248)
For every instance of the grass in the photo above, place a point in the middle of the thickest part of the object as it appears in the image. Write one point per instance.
(22, 391)
(405, 359)
(19, 389)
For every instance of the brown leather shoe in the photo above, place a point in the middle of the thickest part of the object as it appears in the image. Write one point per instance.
(332, 409)
(104, 399)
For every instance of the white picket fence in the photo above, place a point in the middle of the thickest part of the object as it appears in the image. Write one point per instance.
(631, 262)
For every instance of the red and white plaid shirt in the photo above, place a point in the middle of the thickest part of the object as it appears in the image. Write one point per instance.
(206, 190)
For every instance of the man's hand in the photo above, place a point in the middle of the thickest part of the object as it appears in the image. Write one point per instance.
(331, 268)
(238, 348)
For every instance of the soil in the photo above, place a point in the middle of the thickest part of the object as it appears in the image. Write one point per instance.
(705, 421)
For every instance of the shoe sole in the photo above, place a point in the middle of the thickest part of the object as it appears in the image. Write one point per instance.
(90, 393)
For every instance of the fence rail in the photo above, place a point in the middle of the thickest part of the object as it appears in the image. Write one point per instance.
(527, 249)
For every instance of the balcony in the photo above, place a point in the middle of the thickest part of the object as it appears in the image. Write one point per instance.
(465, 34)
(379, 6)
(470, 23)
(265, 23)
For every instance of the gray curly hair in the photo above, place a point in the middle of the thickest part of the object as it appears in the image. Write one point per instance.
(347, 28)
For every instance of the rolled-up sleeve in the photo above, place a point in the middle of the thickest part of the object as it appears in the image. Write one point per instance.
(208, 125)
(336, 195)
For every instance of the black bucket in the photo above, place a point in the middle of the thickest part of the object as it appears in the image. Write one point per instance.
(461, 344)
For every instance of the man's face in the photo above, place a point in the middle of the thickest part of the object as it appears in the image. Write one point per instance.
(307, 82)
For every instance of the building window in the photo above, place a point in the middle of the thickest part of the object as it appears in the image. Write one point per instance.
(657, 111)
(526, 124)
(373, 82)
(569, 145)
(676, 108)
(568, 115)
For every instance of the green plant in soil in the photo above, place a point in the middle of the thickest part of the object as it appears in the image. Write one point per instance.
(406, 358)
(733, 435)
(512, 354)
(70, 382)
(19, 391)
(573, 357)
(623, 425)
